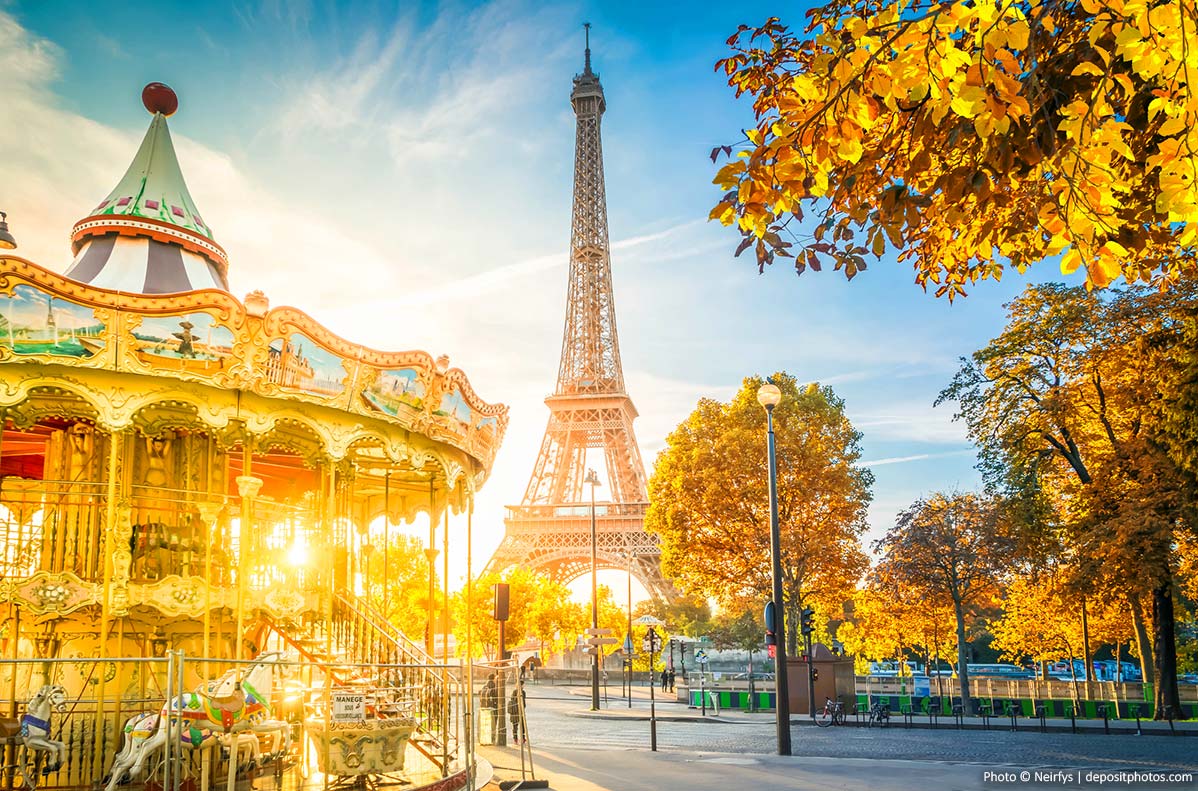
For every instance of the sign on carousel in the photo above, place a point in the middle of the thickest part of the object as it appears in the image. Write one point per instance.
(348, 707)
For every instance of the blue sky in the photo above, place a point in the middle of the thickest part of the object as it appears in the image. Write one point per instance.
(404, 174)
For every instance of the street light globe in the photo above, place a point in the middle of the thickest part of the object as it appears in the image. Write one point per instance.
(592, 478)
(768, 395)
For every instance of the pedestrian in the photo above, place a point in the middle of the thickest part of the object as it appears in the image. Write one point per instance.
(515, 712)
(671, 679)
(665, 679)
(488, 700)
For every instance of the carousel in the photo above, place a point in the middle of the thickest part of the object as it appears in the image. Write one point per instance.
(191, 487)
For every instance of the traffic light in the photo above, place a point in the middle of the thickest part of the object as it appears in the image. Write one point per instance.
(770, 638)
(815, 674)
(805, 625)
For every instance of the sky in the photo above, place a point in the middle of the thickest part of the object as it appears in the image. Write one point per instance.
(402, 172)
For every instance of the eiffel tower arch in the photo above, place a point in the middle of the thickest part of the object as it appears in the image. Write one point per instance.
(550, 530)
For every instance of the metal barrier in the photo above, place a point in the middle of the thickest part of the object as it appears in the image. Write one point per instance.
(105, 695)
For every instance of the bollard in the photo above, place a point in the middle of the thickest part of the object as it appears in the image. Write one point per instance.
(1106, 719)
(1073, 717)
(1135, 710)
(1040, 710)
(1169, 717)
(1013, 711)
(959, 714)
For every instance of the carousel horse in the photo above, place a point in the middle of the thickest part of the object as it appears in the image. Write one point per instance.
(33, 731)
(208, 715)
(140, 727)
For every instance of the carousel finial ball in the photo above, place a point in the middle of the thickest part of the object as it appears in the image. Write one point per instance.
(159, 98)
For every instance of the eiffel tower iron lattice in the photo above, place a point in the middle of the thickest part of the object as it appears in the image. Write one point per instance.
(550, 530)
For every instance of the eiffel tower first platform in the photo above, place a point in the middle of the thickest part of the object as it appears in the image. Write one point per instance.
(550, 531)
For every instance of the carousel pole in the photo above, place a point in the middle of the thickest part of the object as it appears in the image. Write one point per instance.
(431, 554)
(114, 446)
(469, 719)
(445, 638)
(247, 487)
(331, 592)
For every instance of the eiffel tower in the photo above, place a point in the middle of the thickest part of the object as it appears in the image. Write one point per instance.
(550, 531)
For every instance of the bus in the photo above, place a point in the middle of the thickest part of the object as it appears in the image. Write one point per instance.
(999, 671)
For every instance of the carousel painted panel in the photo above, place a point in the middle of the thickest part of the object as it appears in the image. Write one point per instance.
(36, 323)
(191, 343)
(296, 362)
(398, 392)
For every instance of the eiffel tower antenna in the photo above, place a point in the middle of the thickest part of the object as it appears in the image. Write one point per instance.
(589, 409)
(587, 33)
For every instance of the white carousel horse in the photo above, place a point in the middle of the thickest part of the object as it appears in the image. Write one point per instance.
(207, 715)
(33, 731)
(140, 727)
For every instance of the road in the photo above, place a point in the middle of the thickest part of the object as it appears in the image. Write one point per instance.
(581, 751)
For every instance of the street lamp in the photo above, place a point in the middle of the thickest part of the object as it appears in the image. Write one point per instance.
(768, 395)
(7, 242)
(593, 479)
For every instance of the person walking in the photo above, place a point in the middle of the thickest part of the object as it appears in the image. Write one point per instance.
(488, 700)
(515, 712)
(671, 679)
(665, 679)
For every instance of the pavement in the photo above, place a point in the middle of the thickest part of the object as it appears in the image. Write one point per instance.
(575, 749)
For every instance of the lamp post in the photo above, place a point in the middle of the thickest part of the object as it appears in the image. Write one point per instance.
(593, 479)
(628, 639)
(768, 395)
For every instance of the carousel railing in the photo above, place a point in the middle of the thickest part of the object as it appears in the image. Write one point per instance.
(359, 636)
(57, 526)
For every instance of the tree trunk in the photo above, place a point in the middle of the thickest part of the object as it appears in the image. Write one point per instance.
(1087, 660)
(963, 660)
(1143, 644)
(1166, 650)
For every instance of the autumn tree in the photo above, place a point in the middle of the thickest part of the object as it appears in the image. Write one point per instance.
(709, 501)
(970, 137)
(953, 548)
(537, 608)
(890, 621)
(396, 583)
(1065, 405)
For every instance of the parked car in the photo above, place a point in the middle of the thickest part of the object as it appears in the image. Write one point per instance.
(756, 676)
(1188, 678)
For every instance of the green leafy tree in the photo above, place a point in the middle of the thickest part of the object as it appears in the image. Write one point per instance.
(709, 501)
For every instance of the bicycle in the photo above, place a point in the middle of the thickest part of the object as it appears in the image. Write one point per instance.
(831, 714)
(879, 713)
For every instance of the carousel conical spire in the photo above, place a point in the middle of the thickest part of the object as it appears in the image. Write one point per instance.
(148, 236)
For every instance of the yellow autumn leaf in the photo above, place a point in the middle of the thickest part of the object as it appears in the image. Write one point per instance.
(1086, 67)
(1071, 261)
(970, 101)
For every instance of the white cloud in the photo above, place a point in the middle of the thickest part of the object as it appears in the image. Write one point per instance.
(916, 457)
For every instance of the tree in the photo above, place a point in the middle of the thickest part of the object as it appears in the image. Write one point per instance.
(709, 501)
(970, 137)
(949, 547)
(1067, 404)
(889, 622)
(398, 584)
(537, 608)
(1045, 619)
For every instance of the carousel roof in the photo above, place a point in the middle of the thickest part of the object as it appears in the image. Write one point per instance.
(148, 236)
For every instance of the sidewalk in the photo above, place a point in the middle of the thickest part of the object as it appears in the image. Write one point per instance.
(628, 770)
(669, 710)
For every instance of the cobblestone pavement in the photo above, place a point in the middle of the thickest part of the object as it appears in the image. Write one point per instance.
(552, 726)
